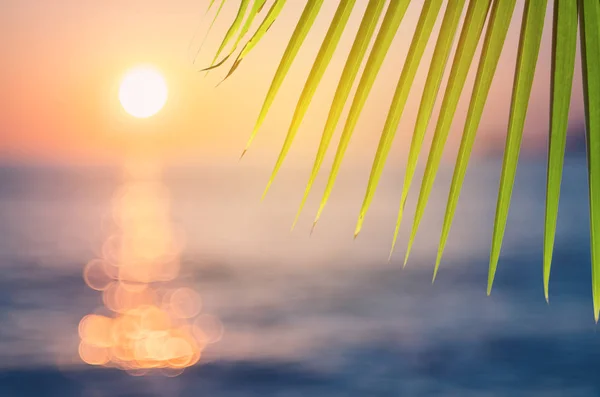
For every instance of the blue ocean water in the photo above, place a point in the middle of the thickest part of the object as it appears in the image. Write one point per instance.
(321, 315)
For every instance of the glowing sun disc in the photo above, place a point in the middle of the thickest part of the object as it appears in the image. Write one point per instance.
(143, 92)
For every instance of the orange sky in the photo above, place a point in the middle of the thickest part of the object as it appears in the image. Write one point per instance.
(63, 60)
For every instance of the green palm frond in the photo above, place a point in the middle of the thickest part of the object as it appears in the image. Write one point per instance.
(498, 13)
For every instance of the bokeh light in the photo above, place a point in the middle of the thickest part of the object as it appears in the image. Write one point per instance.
(155, 324)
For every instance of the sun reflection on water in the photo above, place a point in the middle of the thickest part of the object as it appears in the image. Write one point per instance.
(154, 321)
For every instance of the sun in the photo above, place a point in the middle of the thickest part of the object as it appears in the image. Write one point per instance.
(143, 92)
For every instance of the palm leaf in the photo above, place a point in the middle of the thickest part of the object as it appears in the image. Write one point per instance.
(270, 18)
(254, 11)
(590, 44)
(256, 8)
(324, 56)
(387, 31)
(529, 46)
(210, 5)
(306, 21)
(357, 53)
(432, 85)
(232, 29)
(564, 42)
(465, 51)
(423, 31)
(492, 47)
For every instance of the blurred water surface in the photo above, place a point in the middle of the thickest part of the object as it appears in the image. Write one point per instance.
(325, 315)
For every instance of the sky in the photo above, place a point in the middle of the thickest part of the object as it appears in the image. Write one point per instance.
(63, 61)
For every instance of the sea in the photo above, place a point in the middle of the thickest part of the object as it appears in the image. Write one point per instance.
(309, 314)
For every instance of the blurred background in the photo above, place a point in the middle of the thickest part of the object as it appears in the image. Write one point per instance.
(321, 314)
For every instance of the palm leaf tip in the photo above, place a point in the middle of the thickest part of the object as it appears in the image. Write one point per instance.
(358, 226)
(391, 21)
(418, 44)
(529, 45)
(395, 238)
(269, 19)
(357, 52)
(390, 254)
(438, 259)
(255, 9)
(312, 229)
(494, 41)
(470, 36)
(231, 31)
(432, 83)
(311, 10)
(321, 63)
(317, 217)
(436, 268)
(490, 283)
(210, 5)
(294, 223)
(590, 43)
(408, 250)
(465, 51)
(266, 191)
(564, 42)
